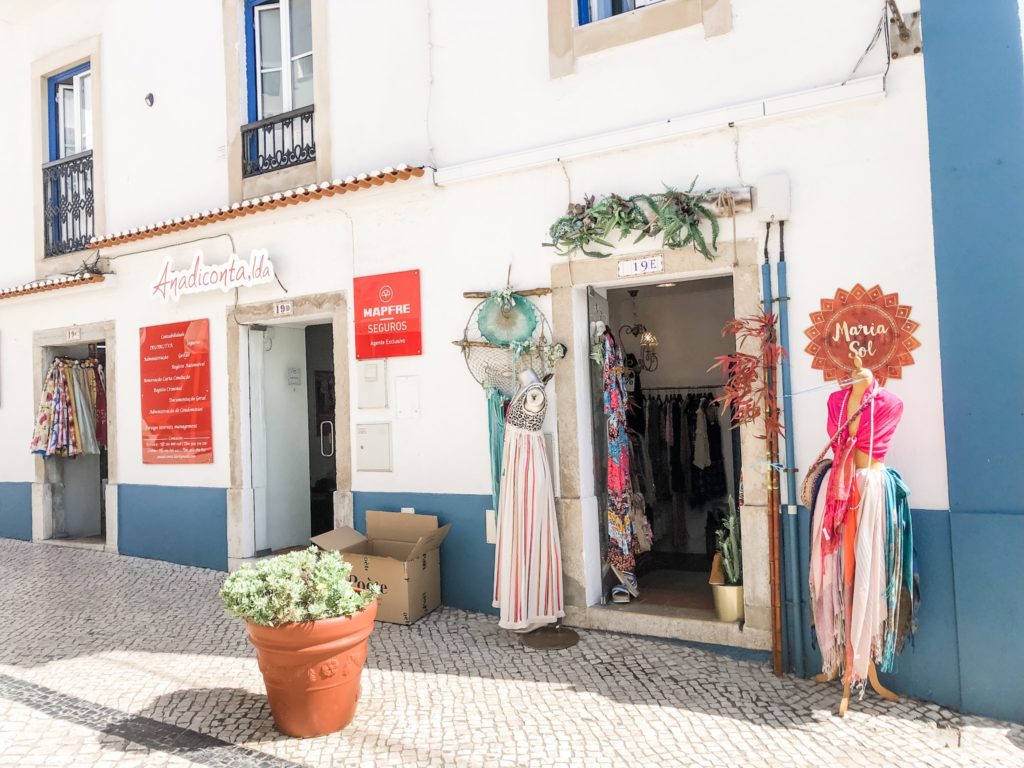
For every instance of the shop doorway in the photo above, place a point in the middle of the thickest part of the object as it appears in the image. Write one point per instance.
(684, 455)
(292, 422)
(76, 464)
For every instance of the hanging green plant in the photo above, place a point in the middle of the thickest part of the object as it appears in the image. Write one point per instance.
(676, 216)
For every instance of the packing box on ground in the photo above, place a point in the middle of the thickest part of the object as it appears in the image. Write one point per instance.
(400, 552)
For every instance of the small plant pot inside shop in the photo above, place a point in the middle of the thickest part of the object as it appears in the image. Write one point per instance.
(728, 597)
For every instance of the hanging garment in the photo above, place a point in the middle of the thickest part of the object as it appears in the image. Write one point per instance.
(66, 422)
(496, 433)
(825, 588)
(901, 598)
(701, 449)
(868, 610)
(98, 395)
(861, 581)
(877, 427)
(85, 418)
(622, 542)
(677, 461)
(528, 560)
(714, 484)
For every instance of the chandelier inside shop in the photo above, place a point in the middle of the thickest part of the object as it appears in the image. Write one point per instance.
(648, 358)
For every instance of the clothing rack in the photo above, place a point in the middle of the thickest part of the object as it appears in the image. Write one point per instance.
(704, 388)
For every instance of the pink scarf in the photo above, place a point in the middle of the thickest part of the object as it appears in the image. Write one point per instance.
(842, 483)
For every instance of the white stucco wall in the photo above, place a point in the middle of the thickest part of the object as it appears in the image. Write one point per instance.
(858, 171)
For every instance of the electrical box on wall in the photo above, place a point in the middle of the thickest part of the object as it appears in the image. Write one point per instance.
(772, 197)
(373, 447)
(372, 384)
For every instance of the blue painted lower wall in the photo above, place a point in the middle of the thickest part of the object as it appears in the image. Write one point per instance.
(181, 525)
(966, 653)
(16, 511)
(467, 560)
(988, 550)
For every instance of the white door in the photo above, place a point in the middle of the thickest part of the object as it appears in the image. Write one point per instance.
(280, 437)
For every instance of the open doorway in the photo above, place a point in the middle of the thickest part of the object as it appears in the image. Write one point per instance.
(293, 437)
(684, 456)
(71, 436)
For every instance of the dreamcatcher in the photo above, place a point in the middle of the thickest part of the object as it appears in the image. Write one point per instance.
(506, 334)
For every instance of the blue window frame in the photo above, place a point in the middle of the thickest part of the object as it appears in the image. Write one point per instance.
(285, 27)
(583, 12)
(595, 10)
(70, 82)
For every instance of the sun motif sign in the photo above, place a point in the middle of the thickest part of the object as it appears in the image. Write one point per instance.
(866, 323)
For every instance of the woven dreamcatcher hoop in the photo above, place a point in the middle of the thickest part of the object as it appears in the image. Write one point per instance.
(506, 334)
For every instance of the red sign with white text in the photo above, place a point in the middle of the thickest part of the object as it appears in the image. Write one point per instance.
(174, 362)
(387, 315)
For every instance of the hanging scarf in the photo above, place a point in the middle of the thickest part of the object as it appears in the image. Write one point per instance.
(899, 565)
(496, 430)
(622, 542)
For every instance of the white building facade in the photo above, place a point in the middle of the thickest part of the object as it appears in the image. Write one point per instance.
(444, 138)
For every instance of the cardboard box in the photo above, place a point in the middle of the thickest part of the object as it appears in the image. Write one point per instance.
(400, 552)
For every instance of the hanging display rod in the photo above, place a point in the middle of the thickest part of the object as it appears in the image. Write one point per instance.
(702, 387)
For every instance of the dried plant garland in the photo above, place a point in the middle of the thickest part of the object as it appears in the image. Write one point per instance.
(675, 215)
(748, 391)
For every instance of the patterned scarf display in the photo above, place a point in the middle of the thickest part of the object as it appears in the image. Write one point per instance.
(622, 541)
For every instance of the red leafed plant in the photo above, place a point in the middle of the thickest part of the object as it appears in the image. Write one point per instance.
(750, 378)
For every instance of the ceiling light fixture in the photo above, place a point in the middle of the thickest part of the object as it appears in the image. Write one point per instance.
(666, 285)
(648, 358)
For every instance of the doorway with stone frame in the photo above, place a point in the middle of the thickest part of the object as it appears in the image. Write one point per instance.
(579, 506)
(74, 500)
(249, 326)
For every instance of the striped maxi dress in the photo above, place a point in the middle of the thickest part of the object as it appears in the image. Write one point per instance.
(528, 560)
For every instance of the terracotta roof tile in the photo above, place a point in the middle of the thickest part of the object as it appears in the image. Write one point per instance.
(50, 284)
(264, 203)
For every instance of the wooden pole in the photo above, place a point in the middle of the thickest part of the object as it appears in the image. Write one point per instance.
(487, 294)
(774, 573)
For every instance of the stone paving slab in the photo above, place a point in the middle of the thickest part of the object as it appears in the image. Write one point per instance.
(108, 660)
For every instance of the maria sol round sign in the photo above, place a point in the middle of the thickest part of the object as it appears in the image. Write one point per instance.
(868, 324)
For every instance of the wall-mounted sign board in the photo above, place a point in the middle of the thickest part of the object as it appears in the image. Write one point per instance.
(200, 277)
(644, 265)
(866, 323)
(174, 367)
(387, 315)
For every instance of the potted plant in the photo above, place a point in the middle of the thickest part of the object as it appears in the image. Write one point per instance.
(727, 569)
(310, 628)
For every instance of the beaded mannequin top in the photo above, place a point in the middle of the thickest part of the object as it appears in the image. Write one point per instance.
(521, 418)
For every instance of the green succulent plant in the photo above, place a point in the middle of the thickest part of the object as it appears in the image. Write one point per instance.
(729, 546)
(305, 585)
(675, 215)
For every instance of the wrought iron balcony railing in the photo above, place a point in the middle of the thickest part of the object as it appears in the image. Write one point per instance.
(68, 204)
(278, 142)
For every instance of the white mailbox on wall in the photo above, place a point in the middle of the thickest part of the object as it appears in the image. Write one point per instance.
(373, 447)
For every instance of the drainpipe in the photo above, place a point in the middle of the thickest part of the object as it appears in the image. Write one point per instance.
(771, 451)
(790, 521)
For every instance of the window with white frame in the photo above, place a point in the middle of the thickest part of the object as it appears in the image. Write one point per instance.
(282, 73)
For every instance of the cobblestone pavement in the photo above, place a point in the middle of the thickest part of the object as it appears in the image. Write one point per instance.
(108, 660)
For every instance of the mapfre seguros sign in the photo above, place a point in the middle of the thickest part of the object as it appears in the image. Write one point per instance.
(387, 315)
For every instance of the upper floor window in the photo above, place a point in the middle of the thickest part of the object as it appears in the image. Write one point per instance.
(70, 112)
(280, 62)
(68, 192)
(595, 10)
(279, 74)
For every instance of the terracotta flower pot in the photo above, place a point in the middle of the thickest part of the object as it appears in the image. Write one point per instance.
(312, 669)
